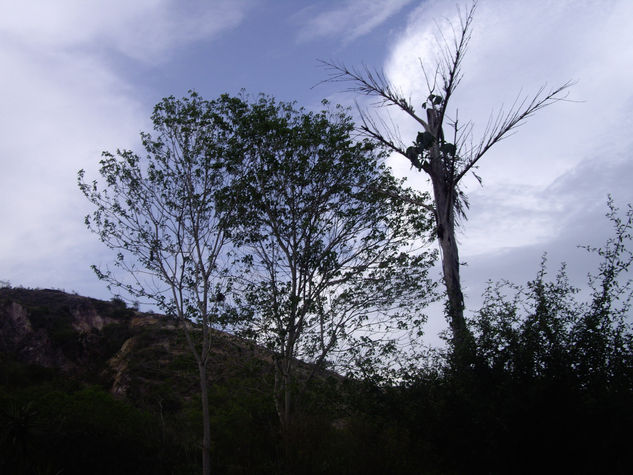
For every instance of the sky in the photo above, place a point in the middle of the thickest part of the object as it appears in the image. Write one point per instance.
(80, 77)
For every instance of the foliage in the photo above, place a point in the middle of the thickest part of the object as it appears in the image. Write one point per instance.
(535, 390)
(68, 432)
(555, 364)
(331, 263)
(545, 331)
(319, 239)
(162, 210)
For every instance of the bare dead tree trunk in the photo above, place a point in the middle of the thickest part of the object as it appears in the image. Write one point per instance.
(445, 222)
(440, 168)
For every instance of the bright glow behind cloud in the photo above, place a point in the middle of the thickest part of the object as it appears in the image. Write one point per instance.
(517, 47)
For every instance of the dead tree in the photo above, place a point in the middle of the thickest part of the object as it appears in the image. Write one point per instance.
(443, 148)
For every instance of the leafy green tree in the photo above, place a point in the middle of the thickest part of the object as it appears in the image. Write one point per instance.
(444, 149)
(525, 331)
(162, 215)
(335, 270)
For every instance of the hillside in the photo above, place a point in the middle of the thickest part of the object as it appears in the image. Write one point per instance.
(59, 350)
(106, 342)
(97, 377)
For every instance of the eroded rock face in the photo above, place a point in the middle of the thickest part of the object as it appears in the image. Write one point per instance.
(153, 320)
(119, 365)
(14, 325)
(77, 335)
(49, 328)
(37, 348)
(86, 319)
(32, 345)
(142, 321)
(129, 351)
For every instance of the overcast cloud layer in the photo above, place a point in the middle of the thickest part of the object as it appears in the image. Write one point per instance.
(80, 77)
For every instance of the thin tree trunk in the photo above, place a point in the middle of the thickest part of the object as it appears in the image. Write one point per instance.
(283, 401)
(287, 399)
(206, 438)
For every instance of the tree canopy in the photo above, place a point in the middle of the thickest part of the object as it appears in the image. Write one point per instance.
(334, 266)
(276, 216)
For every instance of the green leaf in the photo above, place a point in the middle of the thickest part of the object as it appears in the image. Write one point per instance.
(425, 140)
(448, 149)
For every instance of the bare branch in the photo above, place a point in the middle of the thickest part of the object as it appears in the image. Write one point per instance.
(372, 83)
(452, 75)
(504, 124)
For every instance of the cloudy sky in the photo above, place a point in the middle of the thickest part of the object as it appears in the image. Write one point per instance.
(82, 76)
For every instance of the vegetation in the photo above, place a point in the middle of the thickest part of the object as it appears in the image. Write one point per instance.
(163, 216)
(331, 266)
(552, 390)
(275, 210)
(274, 223)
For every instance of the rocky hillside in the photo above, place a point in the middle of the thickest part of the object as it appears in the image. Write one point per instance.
(56, 330)
(88, 386)
(83, 379)
(128, 351)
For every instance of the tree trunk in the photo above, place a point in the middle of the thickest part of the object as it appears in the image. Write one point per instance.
(283, 394)
(206, 420)
(445, 220)
(283, 401)
(287, 401)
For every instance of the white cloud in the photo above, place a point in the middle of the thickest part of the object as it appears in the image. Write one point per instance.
(145, 30)
(355, 18)
(62, 104)
(60, 111)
